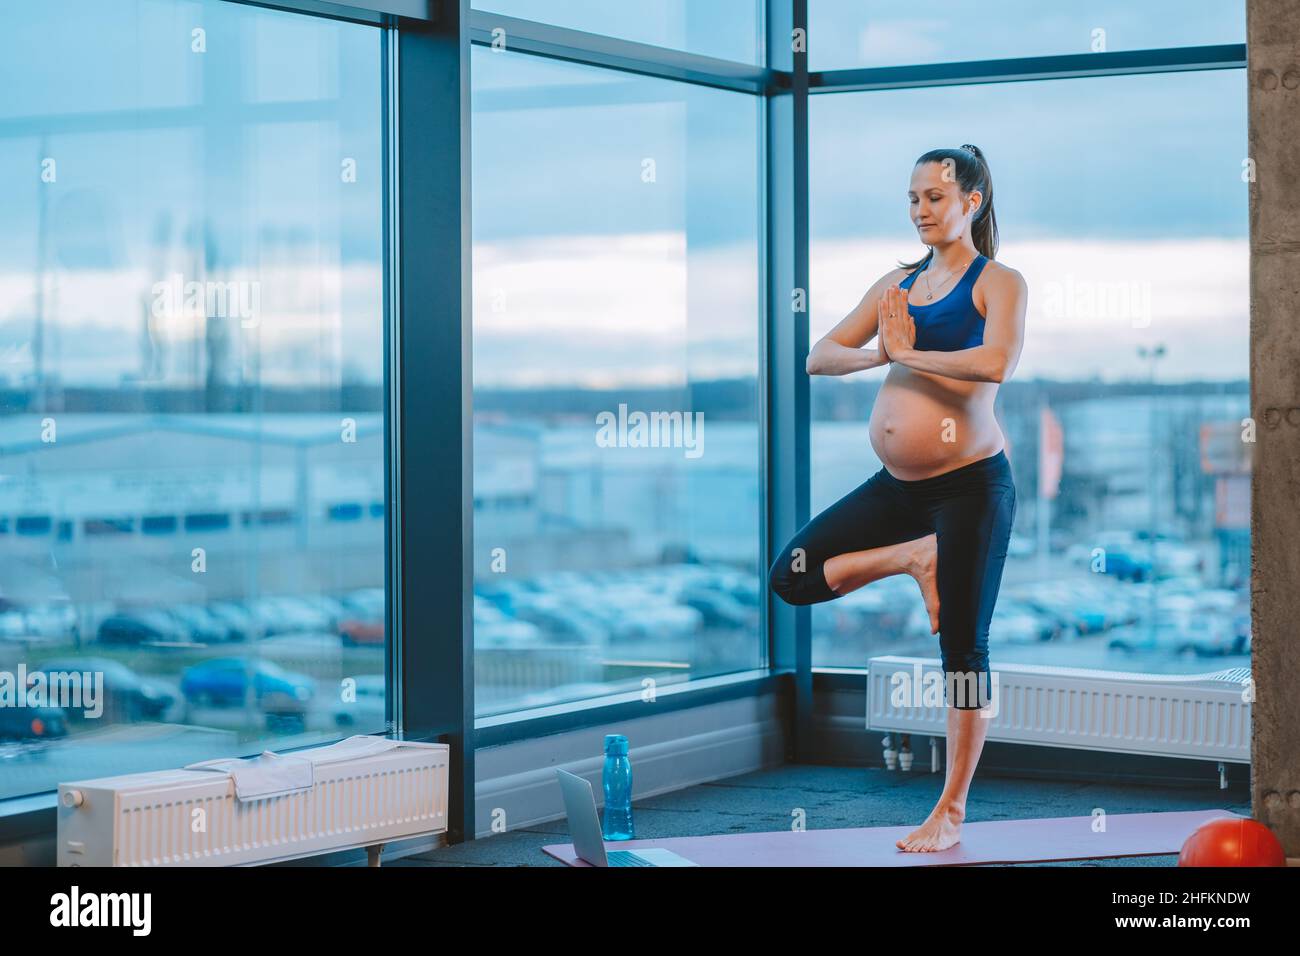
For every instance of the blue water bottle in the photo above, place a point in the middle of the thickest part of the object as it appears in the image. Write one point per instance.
(618, 790)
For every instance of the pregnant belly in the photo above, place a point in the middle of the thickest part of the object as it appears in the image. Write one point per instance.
(924, 425)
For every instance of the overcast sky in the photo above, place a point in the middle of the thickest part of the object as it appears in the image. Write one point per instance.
(616, 218)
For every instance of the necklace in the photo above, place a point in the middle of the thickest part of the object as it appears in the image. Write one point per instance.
(930, 291)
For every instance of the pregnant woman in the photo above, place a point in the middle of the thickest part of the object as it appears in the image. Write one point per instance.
(950, 328)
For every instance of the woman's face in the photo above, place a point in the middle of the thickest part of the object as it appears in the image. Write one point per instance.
(938, 208)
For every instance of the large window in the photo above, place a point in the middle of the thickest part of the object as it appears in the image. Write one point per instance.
(616, 349)
(192, 485)
(845, 34)
(192, 358)
(1123, 202)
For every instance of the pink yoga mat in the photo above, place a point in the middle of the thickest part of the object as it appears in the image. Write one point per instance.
(997, 841)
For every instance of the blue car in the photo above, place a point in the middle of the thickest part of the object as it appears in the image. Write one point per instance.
(223, 682)
(1127, 567)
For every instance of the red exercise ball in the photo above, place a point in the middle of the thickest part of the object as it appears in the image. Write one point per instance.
(1232, 841)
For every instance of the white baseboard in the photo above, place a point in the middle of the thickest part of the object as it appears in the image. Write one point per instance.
(516, 782)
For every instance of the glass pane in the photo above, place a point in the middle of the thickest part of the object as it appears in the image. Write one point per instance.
(1126, 212)
(616, 238)
(844, 34)
(191, 392)
(726, 29)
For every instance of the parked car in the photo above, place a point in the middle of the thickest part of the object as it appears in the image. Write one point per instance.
(1193, 636)
(1109, 541)
(507, 633)
(287, 615)
(57, 621)
(1217, 599)
(200, 624)
(718, 609)
(269, 618)
(1060, 623)
(16, 630)
(361, 616)
(12, 624)
(142, 626)
(32, 723)
(240, 623)
(745, 590)
(1214, 636)
(224, 682)
(1241, 629)
(486, 612)
(127, 696)
(366, 604)
(664, 622)
(329, 608)
(1074, 608)
(356, 633)
(1017, 624)
(1127, 566)
(560, 624)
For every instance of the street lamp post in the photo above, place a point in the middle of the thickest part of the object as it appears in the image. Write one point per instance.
(1152, 354)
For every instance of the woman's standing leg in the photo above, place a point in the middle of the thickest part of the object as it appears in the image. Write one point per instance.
(973, 522)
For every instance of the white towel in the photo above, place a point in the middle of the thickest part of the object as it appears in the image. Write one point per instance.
(267, 775)
(272, 774)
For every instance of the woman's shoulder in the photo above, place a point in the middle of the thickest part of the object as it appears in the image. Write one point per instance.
(892, 277)
(999, 280)
(1000, 276)
(1001, 272)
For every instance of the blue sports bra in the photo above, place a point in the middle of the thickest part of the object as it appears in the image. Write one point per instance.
(952, 322)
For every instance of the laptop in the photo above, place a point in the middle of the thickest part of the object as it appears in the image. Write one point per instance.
(589, 842)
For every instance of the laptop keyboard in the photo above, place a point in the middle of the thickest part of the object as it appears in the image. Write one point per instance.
(625, 858)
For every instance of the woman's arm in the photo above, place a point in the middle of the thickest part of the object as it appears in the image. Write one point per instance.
(828, 357)
(839, 351)
(1005, 300)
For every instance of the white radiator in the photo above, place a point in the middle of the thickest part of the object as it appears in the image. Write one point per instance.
(1205, 716)
(151, 819)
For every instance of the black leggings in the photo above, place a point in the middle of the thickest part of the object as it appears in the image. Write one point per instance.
(969, 509)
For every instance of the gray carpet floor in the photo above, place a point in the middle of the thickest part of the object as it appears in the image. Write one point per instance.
(835, 797)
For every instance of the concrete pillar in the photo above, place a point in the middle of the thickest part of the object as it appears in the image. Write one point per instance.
(1273, 104)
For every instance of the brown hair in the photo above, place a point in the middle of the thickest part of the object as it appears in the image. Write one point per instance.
(972, 172)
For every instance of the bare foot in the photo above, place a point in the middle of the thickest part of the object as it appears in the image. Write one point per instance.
(923, 566)
(941, 829)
